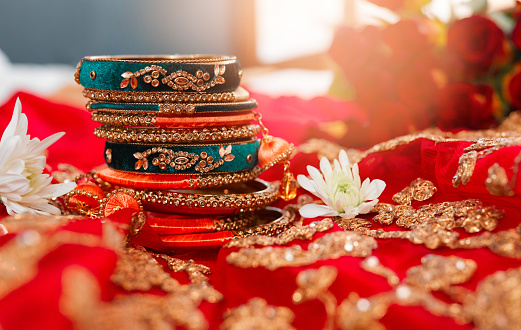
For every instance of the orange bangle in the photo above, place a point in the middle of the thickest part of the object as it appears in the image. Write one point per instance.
(148, 120)
(270, 221)
(175, 224)
(176, 181)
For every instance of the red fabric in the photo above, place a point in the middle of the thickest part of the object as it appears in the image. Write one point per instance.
(36, 303)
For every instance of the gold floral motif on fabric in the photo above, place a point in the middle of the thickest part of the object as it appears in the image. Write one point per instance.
(257, 314)
(330, 246)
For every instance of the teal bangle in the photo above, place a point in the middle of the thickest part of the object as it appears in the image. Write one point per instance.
(182, 159)
(191, 73)
(174, 109)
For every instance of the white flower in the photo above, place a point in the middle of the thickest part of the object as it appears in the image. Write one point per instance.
(340, 190)
(23, 186)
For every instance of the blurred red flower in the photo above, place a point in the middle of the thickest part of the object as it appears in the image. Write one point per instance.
(464, 105)
(512, 87)
(475, 43)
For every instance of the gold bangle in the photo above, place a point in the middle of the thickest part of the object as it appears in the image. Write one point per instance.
(175, 135)
(239, 198)
(239, 95)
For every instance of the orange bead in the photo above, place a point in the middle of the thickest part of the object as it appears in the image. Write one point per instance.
(270, 148)
(118, 201)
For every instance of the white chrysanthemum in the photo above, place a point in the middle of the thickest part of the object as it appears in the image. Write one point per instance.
(340, 190)
(23, 186)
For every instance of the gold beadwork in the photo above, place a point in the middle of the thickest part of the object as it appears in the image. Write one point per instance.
(81, 303)
(437, 272)
(243, 201)
(92, 75)
(419, 190)
(295, 232)
(330, 246)
(314, 284)
(257, 314)
(174, 97)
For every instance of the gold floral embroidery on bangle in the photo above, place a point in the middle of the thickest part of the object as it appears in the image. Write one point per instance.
(293, 233)
(419, 190)
(179, 80)
(182, 160)
(257, 314)
(330, 246)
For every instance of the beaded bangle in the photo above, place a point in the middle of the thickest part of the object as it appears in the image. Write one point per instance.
(270, 221)
(172, 109)
(227, 200)
(239, 95)
(162, 181)
(192, 73)
(174, 224)
(183, 158)
(139, 120)
(175, 135)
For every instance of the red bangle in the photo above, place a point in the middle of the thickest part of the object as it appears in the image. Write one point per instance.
(270, 221)
(175, 224)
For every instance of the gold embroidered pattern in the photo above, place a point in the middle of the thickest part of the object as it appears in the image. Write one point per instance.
(361, 313)
(39, 223)
(314, 284)
(293, 233)
(330, 246)
(497, 182)
(496, 302)
(257, 314)
(179, 80)
(438, 273)
(19, 257)
(81, 302)
(419, 190)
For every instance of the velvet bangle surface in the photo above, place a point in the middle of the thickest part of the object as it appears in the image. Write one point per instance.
(182, 159)
(213, 74)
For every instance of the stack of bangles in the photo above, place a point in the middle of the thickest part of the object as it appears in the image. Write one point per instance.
(182, 140)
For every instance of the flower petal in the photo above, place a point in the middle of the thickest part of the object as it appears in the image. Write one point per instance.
(344, 160)
(314, 210)
(305, 183)
(325, 167)
(356, 175)
(365, 208)
(375, 189)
